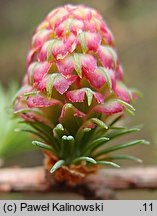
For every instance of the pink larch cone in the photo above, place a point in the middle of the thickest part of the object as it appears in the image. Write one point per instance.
(73, 92)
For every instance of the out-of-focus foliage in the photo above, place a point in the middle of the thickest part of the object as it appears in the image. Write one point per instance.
(11, 142)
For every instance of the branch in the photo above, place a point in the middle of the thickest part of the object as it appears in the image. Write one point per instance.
(100, 185)
(128, 178)
(23, 179)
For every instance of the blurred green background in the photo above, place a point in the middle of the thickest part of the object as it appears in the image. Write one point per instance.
(133, 23)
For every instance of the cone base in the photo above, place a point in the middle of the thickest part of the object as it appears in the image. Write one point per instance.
(70, 175)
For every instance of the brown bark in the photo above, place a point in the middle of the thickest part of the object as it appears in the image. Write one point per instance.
(98, 186)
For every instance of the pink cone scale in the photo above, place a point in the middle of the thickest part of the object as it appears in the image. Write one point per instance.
(73, 88)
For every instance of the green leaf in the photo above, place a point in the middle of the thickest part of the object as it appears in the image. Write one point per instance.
(67, 147)
(23, 111)
(80, 136)
(99, 123)
(101, 139)
(50, 45)
(95, 144)
(115, 120)
(136, 91)
(67, 24)
(113, 54)
(57, 165)
(118, 128)
(125, 157)
(15, 96)
(30, 93)
(108, 78)
(108, 163)
(88, 159)
(86, 130)
(42, 129)
(30, 131)
(46, 131)
(33, 65)
(121, 146)
(50, 83)
(68, 138)
(122, 132)
(77, 64)
(89, 95)
(82, 37)
(42, 145)
(126, 105)
(87, 124)
(58, 131)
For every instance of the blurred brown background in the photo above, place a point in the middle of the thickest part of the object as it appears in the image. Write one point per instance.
(134, 25)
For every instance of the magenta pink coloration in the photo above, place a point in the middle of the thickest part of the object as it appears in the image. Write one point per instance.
(122, 92)
(60, 83)
(88, 63)
(66, 66)
(99, 97)
(109, 108)
(39, 71)
(41, 101)
(96, 79)
(79, 95)
(41, 37)
(107, 57)
(76, 112)
(119, 72)
(76, 95)
(72, 59)
(73, 94)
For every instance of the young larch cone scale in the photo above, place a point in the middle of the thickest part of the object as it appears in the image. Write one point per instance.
(73, 94)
